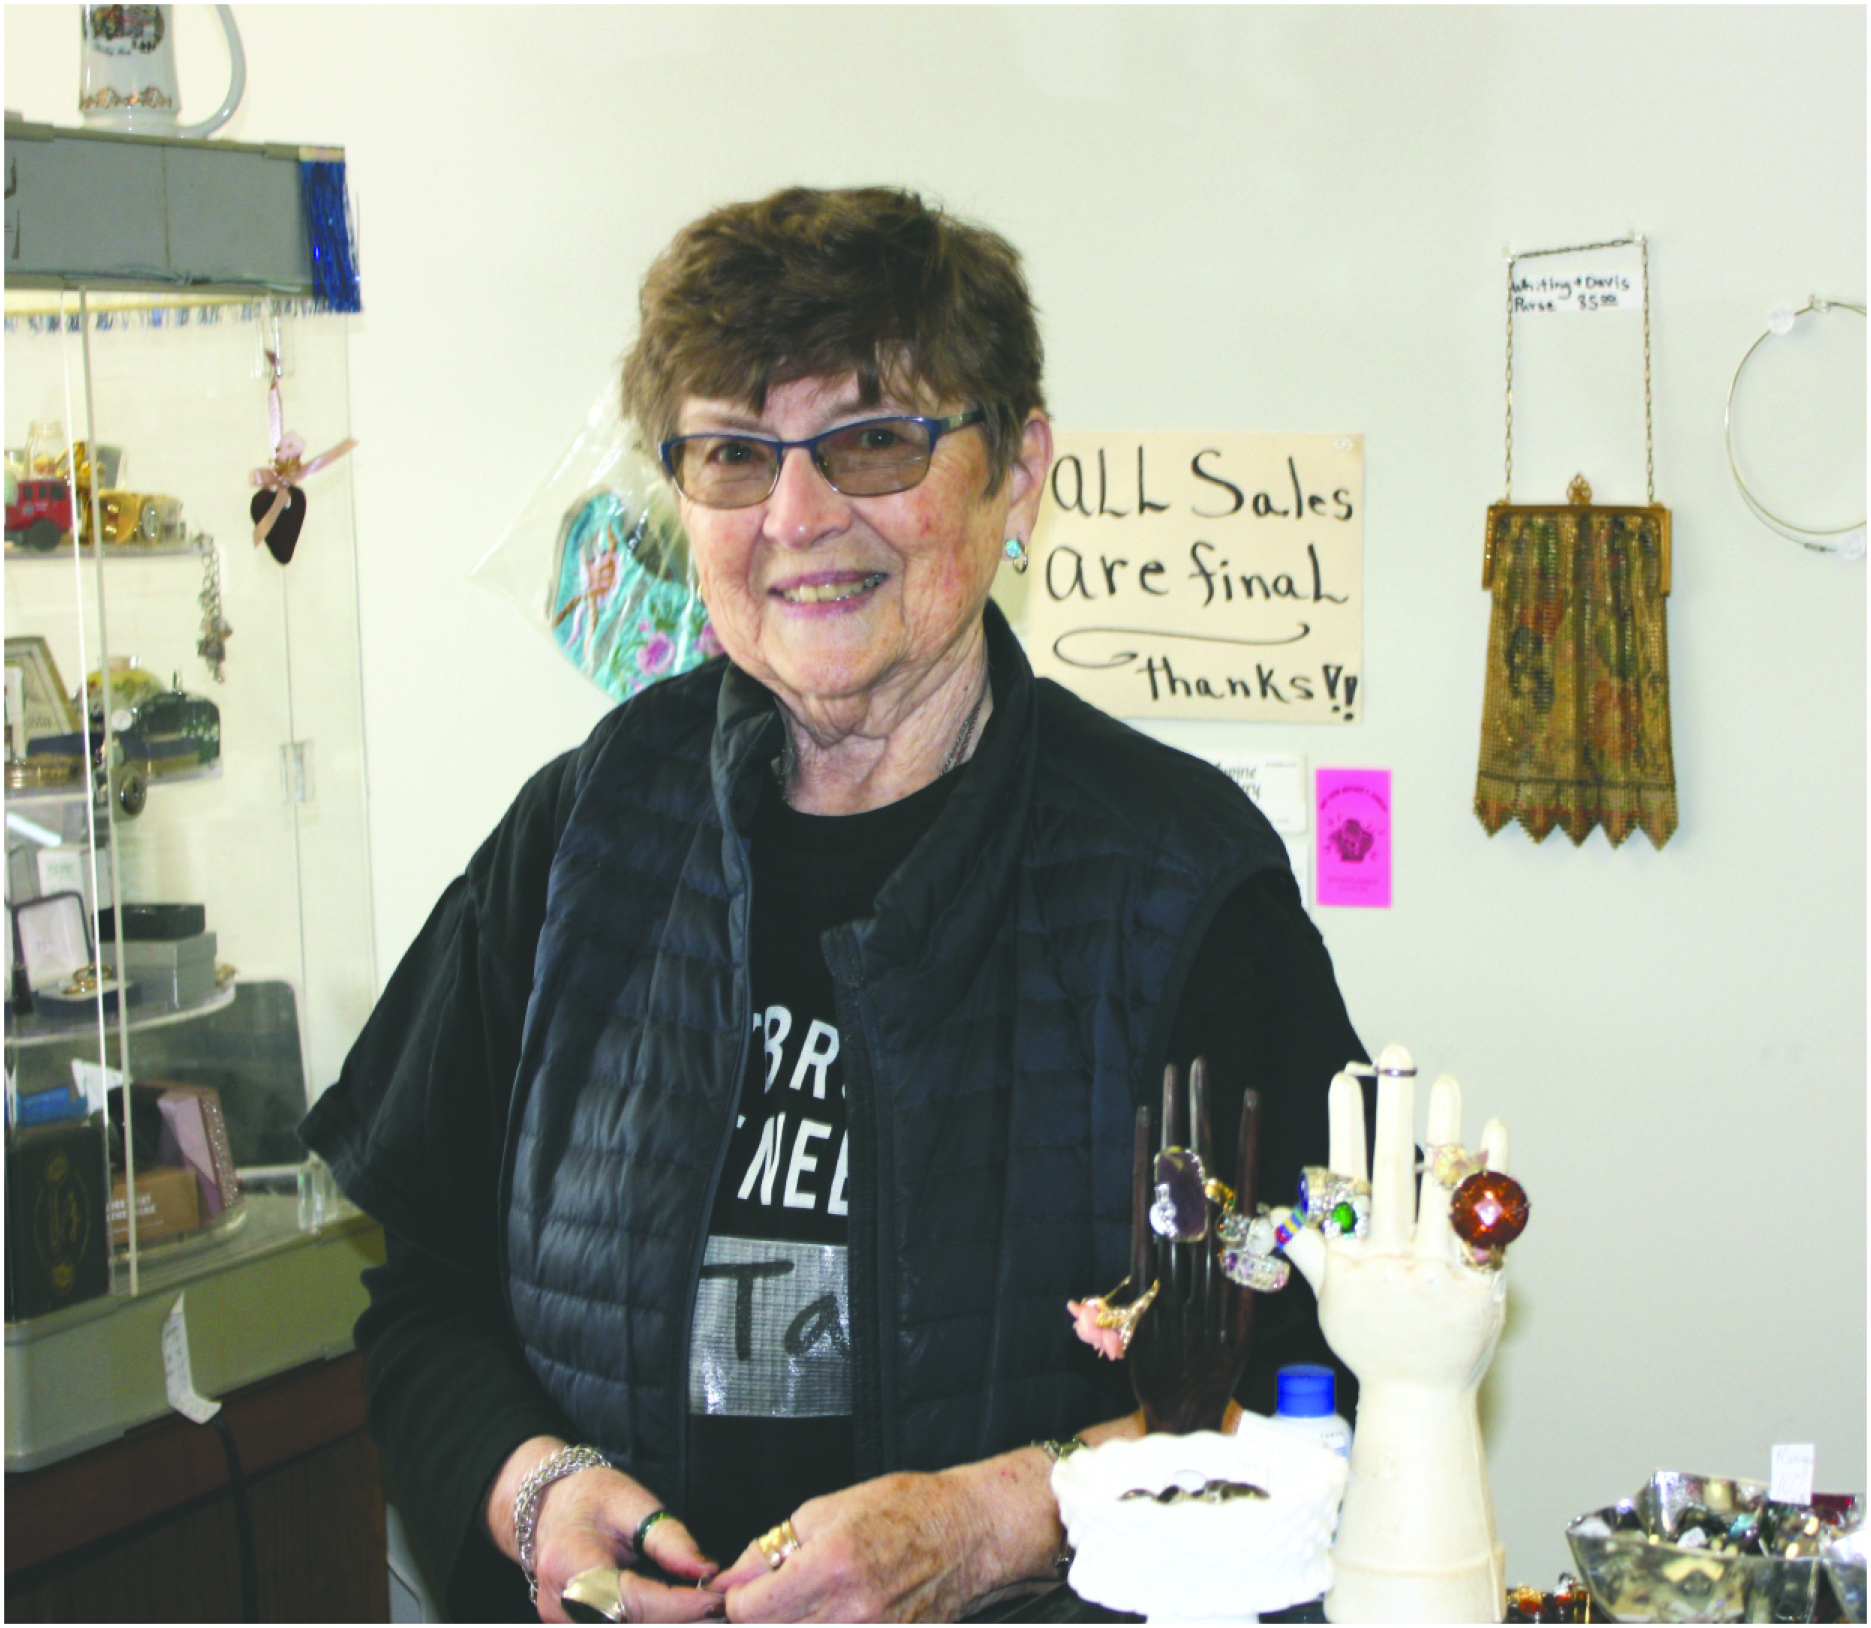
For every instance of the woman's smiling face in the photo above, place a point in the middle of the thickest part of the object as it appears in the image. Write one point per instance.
(856, 604)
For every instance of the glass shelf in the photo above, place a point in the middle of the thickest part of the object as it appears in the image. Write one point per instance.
(30, 1029)
(191, 550)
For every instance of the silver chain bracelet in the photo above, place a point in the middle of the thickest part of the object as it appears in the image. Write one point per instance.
(553, 1467)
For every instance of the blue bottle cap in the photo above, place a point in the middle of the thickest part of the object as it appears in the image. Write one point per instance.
(1308, 1390)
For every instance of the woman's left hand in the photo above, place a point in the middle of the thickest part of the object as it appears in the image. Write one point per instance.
(902, 1548)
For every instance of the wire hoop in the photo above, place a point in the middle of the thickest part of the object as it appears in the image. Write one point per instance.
(1850, 538)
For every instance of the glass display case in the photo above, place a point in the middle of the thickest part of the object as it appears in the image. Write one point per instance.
(187, 876)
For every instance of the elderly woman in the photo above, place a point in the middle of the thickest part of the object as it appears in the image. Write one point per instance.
(744, 1117)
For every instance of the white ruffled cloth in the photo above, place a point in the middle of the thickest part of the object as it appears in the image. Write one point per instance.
(1194, 1561)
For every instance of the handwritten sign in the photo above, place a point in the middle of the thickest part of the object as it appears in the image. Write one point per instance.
(1604, 280)
(1203, 576)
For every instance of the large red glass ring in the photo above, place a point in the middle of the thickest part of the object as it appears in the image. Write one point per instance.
(1488, 1210)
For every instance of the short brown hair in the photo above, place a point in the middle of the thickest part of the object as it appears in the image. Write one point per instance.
(863, 279)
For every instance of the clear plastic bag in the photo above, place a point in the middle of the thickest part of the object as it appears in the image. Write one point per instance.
(598, 561)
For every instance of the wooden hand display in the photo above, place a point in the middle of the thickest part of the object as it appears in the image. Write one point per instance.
(1191, 1345)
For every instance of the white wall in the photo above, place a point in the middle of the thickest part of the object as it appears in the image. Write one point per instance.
(1245, 219)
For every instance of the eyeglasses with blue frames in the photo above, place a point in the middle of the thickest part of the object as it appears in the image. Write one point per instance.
(724, 469)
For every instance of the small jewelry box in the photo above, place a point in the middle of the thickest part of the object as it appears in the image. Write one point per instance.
(52, 945)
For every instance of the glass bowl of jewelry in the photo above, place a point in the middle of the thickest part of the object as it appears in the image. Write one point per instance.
(1700, 1548)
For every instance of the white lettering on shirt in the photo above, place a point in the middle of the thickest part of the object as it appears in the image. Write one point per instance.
(804, 1163)
(837, 1206)
(820, 1052)
(766, 1158)
(778, 1025)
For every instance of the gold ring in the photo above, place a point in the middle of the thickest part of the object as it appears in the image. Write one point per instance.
(1122, 1318)
(1218, 1193)
(777, 1544)
(596, 1595)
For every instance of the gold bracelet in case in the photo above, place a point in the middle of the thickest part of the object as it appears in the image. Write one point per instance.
(553, 1467)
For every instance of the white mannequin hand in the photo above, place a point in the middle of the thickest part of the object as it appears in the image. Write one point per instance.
(1417, 1323)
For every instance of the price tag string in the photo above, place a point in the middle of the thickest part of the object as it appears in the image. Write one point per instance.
(1643, 248)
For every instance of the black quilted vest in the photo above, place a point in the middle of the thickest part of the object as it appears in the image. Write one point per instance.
(999, 1017)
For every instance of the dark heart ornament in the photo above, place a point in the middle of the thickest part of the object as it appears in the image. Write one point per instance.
(1489, 1210)
(283, 538)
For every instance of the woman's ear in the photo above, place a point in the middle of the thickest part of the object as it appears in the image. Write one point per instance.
(1031, 465)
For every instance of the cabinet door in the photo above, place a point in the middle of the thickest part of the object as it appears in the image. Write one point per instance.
(232, 788)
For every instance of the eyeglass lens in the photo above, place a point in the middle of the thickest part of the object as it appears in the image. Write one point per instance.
(878, 456)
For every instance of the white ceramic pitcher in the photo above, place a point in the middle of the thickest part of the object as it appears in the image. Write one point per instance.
(129, 82)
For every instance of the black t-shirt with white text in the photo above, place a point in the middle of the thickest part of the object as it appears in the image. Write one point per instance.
(770, 1358)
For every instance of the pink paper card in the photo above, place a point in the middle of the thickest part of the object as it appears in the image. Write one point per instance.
(1353, 822)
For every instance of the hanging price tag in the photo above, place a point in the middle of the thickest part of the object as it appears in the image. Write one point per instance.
(1792, 1477)
(1606, 279)
(183, 1396)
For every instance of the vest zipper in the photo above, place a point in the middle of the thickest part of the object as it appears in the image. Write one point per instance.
(744, 971)
(867, 1291)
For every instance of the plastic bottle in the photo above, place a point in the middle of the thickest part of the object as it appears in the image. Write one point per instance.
(1308, 1396)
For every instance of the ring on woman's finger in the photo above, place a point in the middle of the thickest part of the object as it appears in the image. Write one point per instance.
(643, 1530)
(777, 1544)
(595, 1595)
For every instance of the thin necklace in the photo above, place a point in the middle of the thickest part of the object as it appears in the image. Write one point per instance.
(784, 764)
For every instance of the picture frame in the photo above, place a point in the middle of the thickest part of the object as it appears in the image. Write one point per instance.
(46, 708)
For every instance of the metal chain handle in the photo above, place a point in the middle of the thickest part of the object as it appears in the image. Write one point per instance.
(1643, 247)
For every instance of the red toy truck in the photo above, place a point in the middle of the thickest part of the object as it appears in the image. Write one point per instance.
(40, 517)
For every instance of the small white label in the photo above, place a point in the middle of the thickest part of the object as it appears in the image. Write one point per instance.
(1792, 1479)
(93, 1080)
(183, 1396)
(1275, 780)
(1610, 280)
(63, 870)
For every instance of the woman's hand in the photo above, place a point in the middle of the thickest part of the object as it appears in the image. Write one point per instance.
(911, 1548)
(587, 1519)
(901, 1548)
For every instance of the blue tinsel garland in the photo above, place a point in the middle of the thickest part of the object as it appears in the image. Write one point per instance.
(328, 224)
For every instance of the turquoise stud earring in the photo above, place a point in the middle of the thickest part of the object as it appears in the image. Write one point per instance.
(1015, 550)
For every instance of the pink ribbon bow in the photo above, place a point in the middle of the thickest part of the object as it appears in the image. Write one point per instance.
(289, 465)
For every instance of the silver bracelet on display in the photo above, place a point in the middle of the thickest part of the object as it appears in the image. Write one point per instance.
(553, 1467)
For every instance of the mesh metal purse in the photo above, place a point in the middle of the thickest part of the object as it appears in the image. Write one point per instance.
(1575, 722)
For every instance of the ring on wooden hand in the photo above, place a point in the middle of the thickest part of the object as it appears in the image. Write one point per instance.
(1122, 1318)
